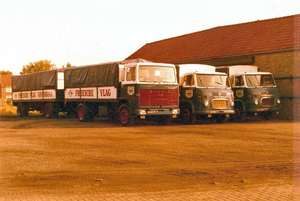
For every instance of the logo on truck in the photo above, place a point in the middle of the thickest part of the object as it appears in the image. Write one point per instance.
(87, 93)
(104, 92)
(91, 93)
(107, 93)
(239, 93)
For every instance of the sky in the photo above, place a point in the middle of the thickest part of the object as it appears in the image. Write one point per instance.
(83, 32)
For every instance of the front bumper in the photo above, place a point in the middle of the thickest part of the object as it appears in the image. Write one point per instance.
(215, 112)
(272, 109)
(160, 111)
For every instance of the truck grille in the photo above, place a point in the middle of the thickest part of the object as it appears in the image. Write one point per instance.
(267, 102)
(158, 97)
(219, 104)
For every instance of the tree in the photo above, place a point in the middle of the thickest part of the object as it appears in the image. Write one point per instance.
(68, 65)
(3, 72)
(38, 66)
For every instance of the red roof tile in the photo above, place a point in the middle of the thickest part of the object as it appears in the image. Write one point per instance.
(247, 38)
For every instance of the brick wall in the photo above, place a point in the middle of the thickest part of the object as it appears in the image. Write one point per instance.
(5, 81)
(284, 64)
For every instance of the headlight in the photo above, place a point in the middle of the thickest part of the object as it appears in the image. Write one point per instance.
(142, 112)
(256, 102)
(206, 103)
(175, 111)
(278, 101)
(232, 104)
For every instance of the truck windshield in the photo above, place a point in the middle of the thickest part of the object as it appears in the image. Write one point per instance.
(217, 81)
(260, 80)
(156, 74)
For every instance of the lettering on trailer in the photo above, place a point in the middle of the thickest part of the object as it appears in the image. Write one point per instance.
(77, 93)
(73, 93)
(84, 93)
(88, 93)
(17, 96)
(37, 94)
(91, 93)
(107, 93)
(49, 94)
(26, 95)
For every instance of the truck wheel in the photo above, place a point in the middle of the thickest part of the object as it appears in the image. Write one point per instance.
(83, 113)
(239, 115)
(187, 116)
(51, 111)
(22, 110)
(125, 117)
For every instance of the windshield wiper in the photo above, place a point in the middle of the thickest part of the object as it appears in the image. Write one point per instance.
(249, 81)
(201, 81)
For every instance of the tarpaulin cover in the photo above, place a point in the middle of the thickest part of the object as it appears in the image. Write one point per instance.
(98, 75)
(35, 81)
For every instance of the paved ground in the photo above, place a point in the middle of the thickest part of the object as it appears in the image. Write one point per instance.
(63, 159)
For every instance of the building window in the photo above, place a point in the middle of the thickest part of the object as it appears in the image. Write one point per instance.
(8, 89)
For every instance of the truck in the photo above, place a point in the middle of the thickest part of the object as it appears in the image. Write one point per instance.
(124, 90)
(255, 92)
(204, 94)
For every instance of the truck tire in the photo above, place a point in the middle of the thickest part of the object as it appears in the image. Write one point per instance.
(239, 115)
(125, 116)
(51, 110)
(83, 112)
(22, 110)
(187, 117)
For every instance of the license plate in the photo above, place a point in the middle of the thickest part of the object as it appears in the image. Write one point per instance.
(151, 112)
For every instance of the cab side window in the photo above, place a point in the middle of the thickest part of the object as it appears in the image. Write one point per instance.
(189, 80)
(239, 81)
(130, 75)
(121, 74)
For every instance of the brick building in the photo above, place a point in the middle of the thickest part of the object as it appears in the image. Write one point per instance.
(5, 90)
(273, 45)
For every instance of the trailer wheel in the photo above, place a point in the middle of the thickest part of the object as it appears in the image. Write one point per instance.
(83, 113)
(187, 116)
(125, 117)
(51, 110)
(22, 110)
